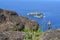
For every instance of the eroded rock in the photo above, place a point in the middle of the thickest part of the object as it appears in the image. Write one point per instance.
(12, 35)
(2, 18)
(51, 35)
(10, 20)
(29, 24)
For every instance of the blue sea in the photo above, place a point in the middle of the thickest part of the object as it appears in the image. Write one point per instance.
(51, 9)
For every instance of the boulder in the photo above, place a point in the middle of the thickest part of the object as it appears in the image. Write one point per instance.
(12, 35)
(51, 35)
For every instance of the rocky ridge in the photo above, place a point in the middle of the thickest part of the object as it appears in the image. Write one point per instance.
(10, 20)
(11, 25)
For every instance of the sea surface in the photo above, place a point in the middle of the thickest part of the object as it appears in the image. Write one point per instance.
(50, 9)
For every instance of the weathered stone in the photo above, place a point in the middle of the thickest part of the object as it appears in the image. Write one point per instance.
(12, 35)
(51, 35)
(20, 26)
(29, 23)
(10, 20)
(2, 18)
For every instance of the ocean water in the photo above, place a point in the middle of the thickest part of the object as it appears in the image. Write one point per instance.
(51, 9)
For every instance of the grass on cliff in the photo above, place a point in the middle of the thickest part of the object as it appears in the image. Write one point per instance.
(32, 35)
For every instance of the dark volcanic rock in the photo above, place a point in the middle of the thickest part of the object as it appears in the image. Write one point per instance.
(51, 35)
(2, 18)
(10, 20)
(12, 35)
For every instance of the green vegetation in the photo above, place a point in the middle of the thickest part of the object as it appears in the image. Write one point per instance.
(32, 35)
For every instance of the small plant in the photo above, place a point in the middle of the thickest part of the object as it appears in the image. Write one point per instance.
(32, 35)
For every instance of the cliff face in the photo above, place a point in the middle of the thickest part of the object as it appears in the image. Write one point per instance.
(10, 20)
(11, 25)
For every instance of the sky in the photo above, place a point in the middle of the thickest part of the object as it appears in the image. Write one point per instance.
(39, 0)
(29, 0)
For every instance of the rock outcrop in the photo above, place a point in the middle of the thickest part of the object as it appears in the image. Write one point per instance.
(10, 20)
(12, 35)
(11, 25)
(51, 35)
(29, 23)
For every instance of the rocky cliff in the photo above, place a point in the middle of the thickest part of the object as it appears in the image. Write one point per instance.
(15, 27)
(10, 20)
(11, 25)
